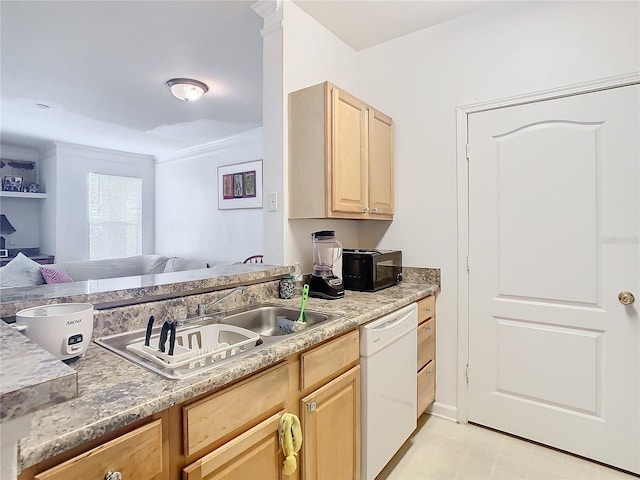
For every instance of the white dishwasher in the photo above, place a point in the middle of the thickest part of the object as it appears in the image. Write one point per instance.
(388, 361)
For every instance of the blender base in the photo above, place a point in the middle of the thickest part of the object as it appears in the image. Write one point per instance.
(328, 288)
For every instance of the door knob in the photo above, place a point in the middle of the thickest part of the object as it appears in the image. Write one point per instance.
(626, 298)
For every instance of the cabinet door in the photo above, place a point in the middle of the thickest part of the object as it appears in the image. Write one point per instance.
(252, 455)
(380, 163)
(349, 134)
(330, 419)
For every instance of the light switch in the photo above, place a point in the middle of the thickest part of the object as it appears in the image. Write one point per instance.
(273, 202)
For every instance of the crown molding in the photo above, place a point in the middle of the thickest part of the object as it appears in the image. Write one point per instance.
(97, 153)
(210, 148)
(266, 7)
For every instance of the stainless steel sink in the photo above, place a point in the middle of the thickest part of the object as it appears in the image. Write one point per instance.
(263, 319)
(205, 342)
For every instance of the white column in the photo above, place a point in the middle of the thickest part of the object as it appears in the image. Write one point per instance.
(273, 101)
(10, 433)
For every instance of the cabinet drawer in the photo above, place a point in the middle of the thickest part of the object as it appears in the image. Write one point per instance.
(233, 409)
(426, 386)
(427, 308)
(426, 342)
(137, 454)
(254, 454)
(326, 360)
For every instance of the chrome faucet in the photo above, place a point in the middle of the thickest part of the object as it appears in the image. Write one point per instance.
(202, 307)
(201, 313)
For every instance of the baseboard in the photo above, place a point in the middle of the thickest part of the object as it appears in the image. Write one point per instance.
(443, 410)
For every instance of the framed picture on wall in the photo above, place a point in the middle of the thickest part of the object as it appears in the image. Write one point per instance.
(11, 183)
(240, 185)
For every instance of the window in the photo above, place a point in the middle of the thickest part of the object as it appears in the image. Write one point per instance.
(115, 216)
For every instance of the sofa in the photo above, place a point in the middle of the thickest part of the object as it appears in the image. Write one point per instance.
(24, 272)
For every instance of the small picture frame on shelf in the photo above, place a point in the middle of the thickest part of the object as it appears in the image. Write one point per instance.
(12, 183)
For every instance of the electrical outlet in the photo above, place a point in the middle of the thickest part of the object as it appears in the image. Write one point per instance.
(12, 241)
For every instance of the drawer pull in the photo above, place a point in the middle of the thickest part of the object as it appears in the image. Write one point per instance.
(311, 406)
(113, 476)
(428, 328)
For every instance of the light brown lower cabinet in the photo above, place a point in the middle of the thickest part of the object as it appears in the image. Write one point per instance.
(330, 418)
(254, 455)
(232, 433)
(137, 454)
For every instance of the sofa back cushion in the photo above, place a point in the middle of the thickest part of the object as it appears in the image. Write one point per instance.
(154, 264)
(178, 264)
(99, 269)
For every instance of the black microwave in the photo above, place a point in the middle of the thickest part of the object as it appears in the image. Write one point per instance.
(371, 270)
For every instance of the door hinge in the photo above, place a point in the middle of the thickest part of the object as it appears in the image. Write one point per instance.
(467, 263)
(467, 153)
(466, 374)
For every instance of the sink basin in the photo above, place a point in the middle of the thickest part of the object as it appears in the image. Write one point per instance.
(263, 319)
(206, 342)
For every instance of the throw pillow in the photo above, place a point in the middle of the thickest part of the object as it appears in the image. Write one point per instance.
(21, 272)
(52, 275)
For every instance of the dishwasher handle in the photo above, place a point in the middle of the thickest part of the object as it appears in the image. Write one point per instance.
(389, 324)
(378, 334)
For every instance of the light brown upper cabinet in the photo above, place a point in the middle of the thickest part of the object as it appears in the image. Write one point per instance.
(340, 156)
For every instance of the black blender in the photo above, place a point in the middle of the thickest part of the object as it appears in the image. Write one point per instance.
(326, 251)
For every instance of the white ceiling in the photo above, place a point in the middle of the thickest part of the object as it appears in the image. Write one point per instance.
(101, 66)
(364, 23)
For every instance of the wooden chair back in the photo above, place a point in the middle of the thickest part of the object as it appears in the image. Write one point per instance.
(254, 259)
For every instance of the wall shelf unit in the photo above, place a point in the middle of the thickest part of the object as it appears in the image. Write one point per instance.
(22, 195)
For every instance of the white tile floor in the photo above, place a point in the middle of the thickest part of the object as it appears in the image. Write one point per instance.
(441, 449)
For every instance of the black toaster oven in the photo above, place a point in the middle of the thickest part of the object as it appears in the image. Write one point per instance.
(371, 270)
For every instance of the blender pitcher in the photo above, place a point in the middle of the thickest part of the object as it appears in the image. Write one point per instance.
(327, 251)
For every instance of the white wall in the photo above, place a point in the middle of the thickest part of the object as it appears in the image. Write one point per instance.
(188, 222)
(73, 163)
(23, 213)
(421, 78)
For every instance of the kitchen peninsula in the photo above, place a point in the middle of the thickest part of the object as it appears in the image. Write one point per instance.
(116, 396)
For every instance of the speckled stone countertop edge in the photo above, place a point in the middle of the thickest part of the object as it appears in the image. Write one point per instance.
(32, 378)
(109, 401)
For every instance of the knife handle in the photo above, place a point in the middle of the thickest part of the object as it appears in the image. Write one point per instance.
(172, 338)
(163, 336)
(147, 337)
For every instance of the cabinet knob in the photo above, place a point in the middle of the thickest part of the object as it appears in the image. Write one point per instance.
(365, 209)
(113, 476)
(375, 210)
(311, 406)
(428, 328)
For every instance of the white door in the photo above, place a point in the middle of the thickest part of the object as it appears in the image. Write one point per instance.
(554, 215)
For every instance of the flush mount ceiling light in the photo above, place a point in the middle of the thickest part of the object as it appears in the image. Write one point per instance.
(187, 89)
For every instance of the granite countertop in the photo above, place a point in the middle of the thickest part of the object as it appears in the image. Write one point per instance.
(113, 392)
(26, 388)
